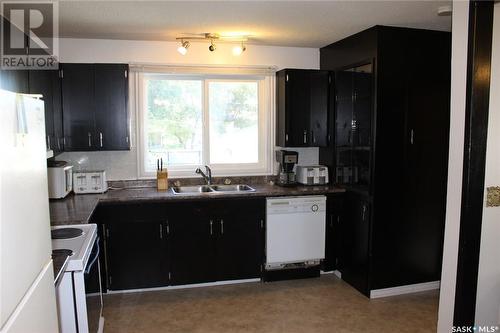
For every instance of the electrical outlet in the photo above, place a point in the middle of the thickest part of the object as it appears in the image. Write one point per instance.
(493, 196)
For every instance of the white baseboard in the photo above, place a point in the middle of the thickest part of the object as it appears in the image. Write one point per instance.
(337, 274)
(408, 289)
(184, 286)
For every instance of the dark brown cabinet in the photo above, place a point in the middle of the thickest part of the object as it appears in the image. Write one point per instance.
(95, 101)
(391, 111)
(137, 254)
(153, 245)
(302, 108)
(47, 83)
(215, 241)
(334, 219)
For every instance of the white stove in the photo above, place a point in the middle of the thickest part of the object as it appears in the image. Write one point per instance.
(80, 245)
(79, 294)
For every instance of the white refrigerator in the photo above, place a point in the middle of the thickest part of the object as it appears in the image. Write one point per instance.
(27, 294)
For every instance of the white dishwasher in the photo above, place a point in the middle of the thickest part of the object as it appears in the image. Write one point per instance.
(295, 231)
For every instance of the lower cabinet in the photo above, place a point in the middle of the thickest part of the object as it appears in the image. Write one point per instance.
(334, 218)
(155, 245)
(355, 242)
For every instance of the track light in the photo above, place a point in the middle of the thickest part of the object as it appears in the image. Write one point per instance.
(212, 46)
(183, 48)
(238, 50)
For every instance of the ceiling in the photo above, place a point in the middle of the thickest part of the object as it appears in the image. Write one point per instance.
(281, 23)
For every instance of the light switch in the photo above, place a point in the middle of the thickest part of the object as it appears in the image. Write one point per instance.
(493, 196)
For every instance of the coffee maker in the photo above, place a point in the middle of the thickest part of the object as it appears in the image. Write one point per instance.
(287, 160)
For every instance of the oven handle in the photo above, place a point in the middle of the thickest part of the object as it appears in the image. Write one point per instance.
(92, 262)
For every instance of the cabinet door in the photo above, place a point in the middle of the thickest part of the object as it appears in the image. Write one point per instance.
(137, 254)
(111, 114)
(319, 86)
(355, 233)
(58, 145)
(191, 238)
(333, 240)
(78, 107)
(298, 108)
(40, 82)
(239, 244)
(15, 81)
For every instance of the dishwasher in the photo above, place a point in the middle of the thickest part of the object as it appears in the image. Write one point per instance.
(295, 231)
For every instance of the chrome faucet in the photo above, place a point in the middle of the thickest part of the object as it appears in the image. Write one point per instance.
(207, 176)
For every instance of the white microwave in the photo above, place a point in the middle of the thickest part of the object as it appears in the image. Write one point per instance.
(60, 177)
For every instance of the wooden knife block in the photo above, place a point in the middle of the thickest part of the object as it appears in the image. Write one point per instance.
(162, 180)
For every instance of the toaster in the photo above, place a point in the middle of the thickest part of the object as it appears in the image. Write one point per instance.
(89, 181)
(312, 174)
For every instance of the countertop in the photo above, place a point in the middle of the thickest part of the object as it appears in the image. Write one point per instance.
(59, 262)
(76, 209)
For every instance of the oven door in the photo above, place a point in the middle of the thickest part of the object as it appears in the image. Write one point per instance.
(93, 290)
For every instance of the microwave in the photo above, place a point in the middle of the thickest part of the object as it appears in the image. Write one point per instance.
(60, 178)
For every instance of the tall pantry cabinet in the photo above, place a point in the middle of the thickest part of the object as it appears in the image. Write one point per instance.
(389, 117)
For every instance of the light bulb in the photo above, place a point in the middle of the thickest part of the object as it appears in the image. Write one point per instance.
(183, 48)
(238, 50)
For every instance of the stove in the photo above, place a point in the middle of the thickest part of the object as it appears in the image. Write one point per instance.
(79, 294)
(78, 238)
(65, 233)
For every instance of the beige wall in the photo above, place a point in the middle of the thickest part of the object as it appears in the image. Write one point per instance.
(488, 288)
(455, 161)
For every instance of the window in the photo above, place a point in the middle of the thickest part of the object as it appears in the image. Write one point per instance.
(219, 120)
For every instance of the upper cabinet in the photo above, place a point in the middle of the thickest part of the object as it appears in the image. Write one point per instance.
(302, 108)
(95, 102)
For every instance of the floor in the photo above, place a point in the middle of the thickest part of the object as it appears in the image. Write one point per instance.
(324, 304)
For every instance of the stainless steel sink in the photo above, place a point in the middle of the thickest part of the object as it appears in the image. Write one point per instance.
(232, 188)
(211, 189)
(192, 189)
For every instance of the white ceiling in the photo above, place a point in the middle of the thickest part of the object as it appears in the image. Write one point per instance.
(283, 23)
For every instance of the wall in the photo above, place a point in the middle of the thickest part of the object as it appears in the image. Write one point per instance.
(123, 165)
(455, 163)
(488, 288)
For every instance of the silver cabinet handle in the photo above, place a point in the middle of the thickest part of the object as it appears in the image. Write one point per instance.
(58, 143)
(286, 137)
(364, 212)
(211, 227)
(161, 231)
(411, 136)
(100, 138)
(305, 136)
(90, 139)
(48, 142)
(222, 227)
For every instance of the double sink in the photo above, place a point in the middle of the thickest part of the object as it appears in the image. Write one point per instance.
(212, 189)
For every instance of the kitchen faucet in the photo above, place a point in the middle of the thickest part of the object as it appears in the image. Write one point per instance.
(208, 171)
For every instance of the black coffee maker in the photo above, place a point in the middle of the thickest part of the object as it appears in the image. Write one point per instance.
(287, 160)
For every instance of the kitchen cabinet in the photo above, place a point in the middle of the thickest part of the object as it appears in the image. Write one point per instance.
(47, 83)
(15, 80)
(302, 108)
(95, 101)
(390, 151)
(152, 245)
(355, 242)
(215, 241)
(334, 219)
(137, 254)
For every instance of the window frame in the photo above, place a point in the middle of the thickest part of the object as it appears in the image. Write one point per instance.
(265, 165)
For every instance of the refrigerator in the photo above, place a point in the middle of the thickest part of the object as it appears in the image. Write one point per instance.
(27, 293)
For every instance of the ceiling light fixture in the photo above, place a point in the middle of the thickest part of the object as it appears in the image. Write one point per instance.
(238, 50)
(183, 48)
(213, 38)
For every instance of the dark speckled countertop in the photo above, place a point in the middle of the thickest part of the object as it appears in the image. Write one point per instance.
(59, 262)
(76, 209)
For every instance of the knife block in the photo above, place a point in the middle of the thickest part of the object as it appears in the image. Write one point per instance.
(162, 180)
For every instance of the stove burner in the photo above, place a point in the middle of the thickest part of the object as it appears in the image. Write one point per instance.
(64, 233)
(67, 252)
